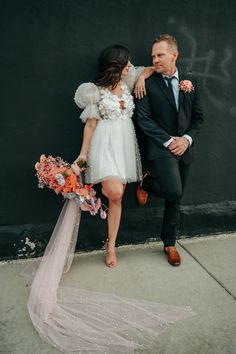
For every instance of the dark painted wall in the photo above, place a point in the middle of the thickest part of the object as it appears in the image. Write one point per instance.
(48, 47)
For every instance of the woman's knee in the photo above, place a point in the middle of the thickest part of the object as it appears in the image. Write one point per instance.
(116, 197)
(113, 194)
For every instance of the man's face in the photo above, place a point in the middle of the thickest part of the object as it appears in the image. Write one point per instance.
(164, 58)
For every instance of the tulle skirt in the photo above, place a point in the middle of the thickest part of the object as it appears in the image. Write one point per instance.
(114, 152)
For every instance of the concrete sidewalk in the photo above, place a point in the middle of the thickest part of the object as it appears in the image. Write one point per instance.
(206, 281)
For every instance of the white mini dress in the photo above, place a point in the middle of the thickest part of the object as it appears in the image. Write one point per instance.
(113, 151)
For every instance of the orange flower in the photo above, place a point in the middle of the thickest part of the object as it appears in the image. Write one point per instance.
(56, 174)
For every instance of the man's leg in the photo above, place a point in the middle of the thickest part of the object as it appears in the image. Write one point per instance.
(167, 180)
(172, 209)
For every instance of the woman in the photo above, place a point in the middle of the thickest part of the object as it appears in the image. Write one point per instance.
(109, 141)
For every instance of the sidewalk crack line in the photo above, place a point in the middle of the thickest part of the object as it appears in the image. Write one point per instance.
(208, 272)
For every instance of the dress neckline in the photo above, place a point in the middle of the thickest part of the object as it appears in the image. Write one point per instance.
(113, 94)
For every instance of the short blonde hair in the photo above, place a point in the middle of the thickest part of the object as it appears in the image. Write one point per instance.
(171, 40)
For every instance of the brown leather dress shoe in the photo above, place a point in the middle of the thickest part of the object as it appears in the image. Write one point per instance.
(173, 255)
(142, 195)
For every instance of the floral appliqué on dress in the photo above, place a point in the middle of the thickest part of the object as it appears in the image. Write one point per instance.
(110, 105)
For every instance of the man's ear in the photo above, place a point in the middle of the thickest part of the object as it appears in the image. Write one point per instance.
(176, 55)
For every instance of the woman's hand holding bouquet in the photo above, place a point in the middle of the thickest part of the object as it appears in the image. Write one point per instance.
(63, 178)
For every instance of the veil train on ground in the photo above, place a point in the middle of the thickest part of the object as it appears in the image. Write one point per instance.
(81, 321)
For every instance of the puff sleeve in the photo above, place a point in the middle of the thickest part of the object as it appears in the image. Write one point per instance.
(130, 79)
(86, 97)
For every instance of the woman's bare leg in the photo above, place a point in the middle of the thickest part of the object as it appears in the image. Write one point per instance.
(113, 190)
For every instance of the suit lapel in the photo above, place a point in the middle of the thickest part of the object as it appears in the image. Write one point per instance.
(161, 83)
(181, 92)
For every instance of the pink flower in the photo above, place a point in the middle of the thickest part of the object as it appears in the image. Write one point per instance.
(98, 204)
(103, 214)
(37, 166)
(186, 86)
(42, 158)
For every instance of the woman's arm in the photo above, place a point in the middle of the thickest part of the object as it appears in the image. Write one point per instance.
(140, 90)
(89, 129)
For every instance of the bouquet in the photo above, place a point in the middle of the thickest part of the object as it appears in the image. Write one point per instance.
(57, 174)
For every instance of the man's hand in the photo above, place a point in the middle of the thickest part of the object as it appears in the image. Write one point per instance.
(178, 146)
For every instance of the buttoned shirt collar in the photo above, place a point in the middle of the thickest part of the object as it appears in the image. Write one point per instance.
(176, 75)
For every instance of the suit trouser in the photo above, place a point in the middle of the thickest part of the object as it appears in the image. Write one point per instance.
(168, 179)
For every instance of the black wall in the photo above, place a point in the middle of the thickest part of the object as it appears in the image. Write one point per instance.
(49, 47)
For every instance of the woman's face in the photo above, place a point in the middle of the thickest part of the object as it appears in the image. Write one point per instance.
(125, 71)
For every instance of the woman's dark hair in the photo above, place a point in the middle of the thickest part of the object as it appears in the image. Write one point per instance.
(110, 64)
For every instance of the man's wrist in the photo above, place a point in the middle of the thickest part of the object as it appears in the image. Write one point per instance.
(190, 140)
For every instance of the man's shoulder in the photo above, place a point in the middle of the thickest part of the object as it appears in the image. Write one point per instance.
(152, 79)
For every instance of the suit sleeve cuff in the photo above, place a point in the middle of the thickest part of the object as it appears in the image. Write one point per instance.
(167, 143)
(189, 139)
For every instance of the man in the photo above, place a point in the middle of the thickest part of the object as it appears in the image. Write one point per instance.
(169, 115)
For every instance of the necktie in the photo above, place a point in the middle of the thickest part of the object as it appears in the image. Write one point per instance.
(170, 87)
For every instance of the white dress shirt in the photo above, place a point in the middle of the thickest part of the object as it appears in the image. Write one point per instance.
(175, 86)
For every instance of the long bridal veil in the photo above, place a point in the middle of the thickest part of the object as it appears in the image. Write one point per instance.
(81, 321)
